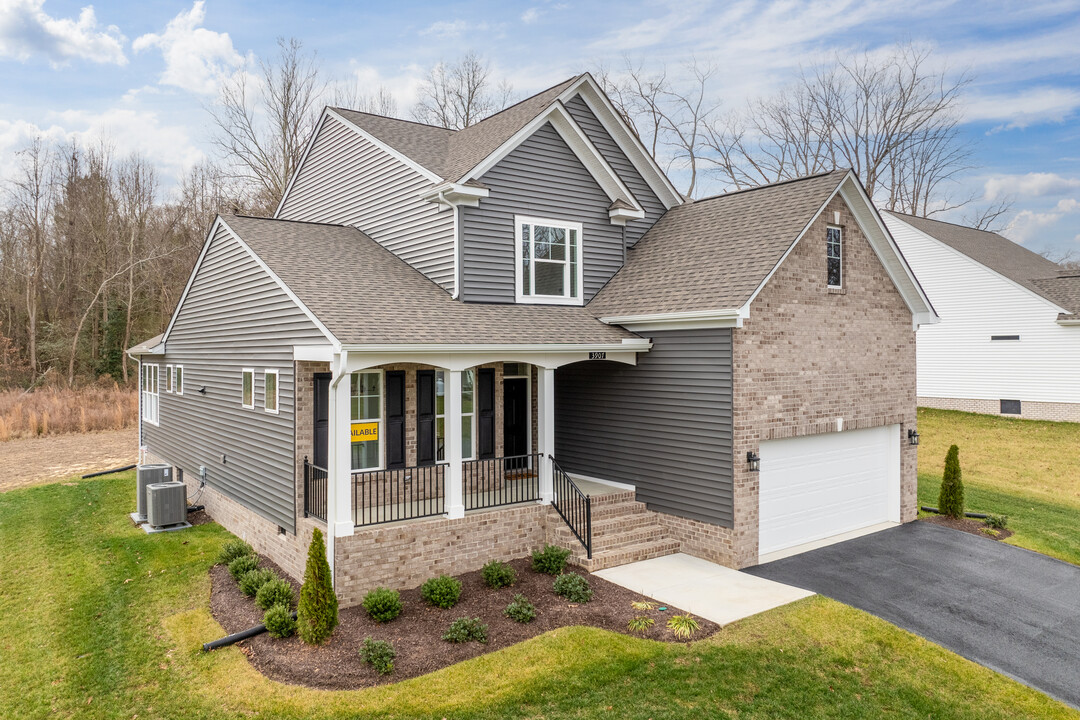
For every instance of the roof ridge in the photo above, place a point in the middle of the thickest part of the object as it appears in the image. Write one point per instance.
(946, 222)
(767, 185)
(520, 102)
(396, 119)
(301, 222)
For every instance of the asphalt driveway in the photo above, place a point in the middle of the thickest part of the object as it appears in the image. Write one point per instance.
(1009, 609)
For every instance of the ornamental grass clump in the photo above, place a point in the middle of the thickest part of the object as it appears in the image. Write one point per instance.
(951, 497)
(253, 580)
(317, 612)
(498, 574)
(573, 587)
(682, 626)
(551, 560)
(379, 654)
(242, 565)
(278, 591)
(640, 624)
(442, 591)
(383, 604)
(279, 622)
(232, 550)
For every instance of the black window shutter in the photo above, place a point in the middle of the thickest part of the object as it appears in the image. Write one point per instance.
(395, 419)
(425, 417)
(485, 413)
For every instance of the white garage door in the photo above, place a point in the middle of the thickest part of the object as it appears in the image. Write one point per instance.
(817, 486)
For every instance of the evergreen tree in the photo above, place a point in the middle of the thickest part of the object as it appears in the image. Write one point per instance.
(317, 613)
(951, 498)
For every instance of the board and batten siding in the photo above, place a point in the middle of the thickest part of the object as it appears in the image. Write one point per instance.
(347, 180)
(616, 158)
(234, 317)
(956, 357)
(663, 425)
(542, 178)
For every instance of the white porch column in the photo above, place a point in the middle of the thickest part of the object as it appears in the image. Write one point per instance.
(339, 510)
(545, 418)
(455, 499)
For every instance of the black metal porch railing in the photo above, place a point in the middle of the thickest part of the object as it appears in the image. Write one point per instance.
(383, 496)
(314, 491)
(494, 482)
(574, 506)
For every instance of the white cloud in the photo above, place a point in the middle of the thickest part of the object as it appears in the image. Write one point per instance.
(1029, 185)
(1028, 224)
(445, 28)
(195, 58)
(1026, 107)
(403, 85)
(27, 30)
(1068, 205)
(530, 16)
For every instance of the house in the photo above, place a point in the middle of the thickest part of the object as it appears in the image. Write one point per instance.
(447, 347)
(1009, 335)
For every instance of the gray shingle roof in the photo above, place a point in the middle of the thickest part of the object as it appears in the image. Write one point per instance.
(998, 253)
(1063, 290)
(712, 254)
(451, 154)
(364, 294)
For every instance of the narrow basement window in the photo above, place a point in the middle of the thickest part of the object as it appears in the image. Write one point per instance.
(1010, 407)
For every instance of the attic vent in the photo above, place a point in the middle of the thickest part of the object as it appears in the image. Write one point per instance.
(1004, 337)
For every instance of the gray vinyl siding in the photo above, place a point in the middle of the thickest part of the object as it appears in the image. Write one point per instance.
(542, 177)
(663, 425)
(235, 316)
(616, 158)
(347, 180)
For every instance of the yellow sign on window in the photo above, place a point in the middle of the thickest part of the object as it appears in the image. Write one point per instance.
(362, 432)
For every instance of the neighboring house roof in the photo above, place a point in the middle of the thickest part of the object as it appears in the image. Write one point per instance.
(1003, 256)
(712, 254)
(147, 347)
(364, 294)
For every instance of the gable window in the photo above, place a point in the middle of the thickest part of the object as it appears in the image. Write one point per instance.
(178, 379)
(247, 398)
(270, 391)
(150, 394)
(548, 268)
(834, 248)
(168, 378)
(468, 414)
(365, 395)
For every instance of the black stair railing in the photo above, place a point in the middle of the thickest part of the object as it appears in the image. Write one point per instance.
(573, 506)
(314, 491)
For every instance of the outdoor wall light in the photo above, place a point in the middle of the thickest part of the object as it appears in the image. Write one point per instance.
(912, 437)
(753, 461)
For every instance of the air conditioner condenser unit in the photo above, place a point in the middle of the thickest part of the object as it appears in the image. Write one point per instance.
(148, 475)
(166, 504)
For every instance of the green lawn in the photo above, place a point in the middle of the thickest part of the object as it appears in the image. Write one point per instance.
(103, 621)
(1026, 469)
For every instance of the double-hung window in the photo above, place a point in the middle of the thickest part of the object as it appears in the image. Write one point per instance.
(270, 391)
(247, 392)
(468, 414)
(150, 394)
(834, 252)
(548, 268)
(365, 394)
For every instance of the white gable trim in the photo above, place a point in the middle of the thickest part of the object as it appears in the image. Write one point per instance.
(579, 144)
(624, 137)
(404, 160)
(220, 222)
(303, 159)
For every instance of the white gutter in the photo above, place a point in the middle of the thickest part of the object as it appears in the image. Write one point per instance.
(626, 344)
(690, 319)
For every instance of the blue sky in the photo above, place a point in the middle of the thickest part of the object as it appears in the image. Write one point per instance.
(141, 73)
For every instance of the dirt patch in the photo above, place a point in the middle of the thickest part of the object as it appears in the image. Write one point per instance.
(968, 525)
(33, 461)
(416, 634)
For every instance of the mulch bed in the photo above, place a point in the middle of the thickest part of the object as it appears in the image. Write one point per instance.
(416, 633)
(968, 525)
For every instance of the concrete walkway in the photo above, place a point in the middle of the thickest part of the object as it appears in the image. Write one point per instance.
(711, 591)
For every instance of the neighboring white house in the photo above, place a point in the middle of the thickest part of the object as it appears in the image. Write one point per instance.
(1009, 338)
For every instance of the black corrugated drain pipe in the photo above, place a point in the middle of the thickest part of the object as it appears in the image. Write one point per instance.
(237, 637)
(979, 516)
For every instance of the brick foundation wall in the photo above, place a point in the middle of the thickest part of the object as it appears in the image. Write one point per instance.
(1029, 410)
(700, 539)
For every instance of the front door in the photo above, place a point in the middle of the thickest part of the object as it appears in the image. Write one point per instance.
(321, 420)
(516, 420)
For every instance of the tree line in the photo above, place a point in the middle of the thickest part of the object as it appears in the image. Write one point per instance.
(95, 252)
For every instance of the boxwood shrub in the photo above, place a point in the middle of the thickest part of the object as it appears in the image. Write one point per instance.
(498, 574)
(253, 580)
(232, 550)
(442, 592)
(277, 591)
(573, 587)
(465, 629)
(551, 560)
(242, 566)
(279, 622)
(383, 604)
(379, 654)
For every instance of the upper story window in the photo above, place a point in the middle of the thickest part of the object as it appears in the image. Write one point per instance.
(549, 261)
(150, 394)
(168, 378)
(247, 392)
(270, 391)
(178, 379)
(835, 250)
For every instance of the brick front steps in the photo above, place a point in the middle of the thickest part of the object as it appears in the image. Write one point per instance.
(623, 532)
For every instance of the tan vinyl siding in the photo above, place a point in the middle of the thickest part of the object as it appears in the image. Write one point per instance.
(625, 169)
(541, 178)
(664, 425)
(347, 180)
(235, 316)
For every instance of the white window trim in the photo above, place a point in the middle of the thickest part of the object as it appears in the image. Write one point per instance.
(150, 398)
(169, 379)
(277, 391)
(178, 388)
(841, 231)
(244, 372)
(380, 420)
(520, 220)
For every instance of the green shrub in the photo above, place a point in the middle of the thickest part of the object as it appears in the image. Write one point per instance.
(232, 550)
(682, 626)
(573, 587)
(951, 498)
(276, 592)
(521, 610)
(379, 654)
(253, 580)
(640, 624)
(498, 574)
(465, 629)
(383, 604)
(442, 592)
(242, 565)
(279, 622)
(551, 560)
(997, 522)
(317, 612)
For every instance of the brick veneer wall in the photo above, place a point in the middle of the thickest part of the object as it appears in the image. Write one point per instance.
(1029, 410)
(808, 355)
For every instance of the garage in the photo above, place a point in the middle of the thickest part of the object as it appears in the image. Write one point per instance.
(817, 486)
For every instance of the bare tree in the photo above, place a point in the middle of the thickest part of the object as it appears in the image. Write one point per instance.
(460, 94)
(263, 122)
(353, 96)
(990, 217)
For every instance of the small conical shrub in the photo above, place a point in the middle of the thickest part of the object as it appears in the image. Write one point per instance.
(951, 499)
(317, 613)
